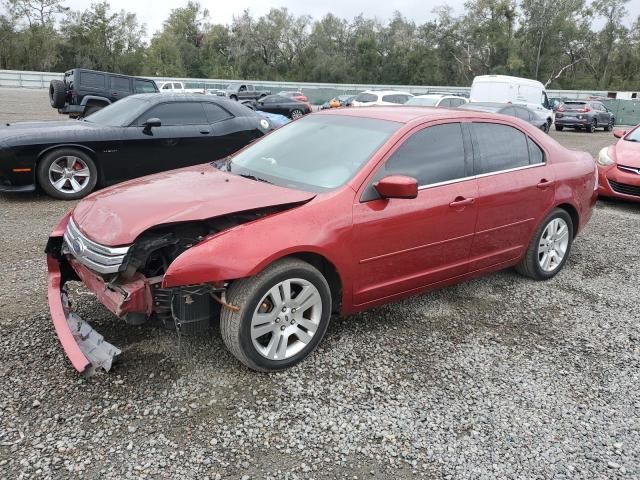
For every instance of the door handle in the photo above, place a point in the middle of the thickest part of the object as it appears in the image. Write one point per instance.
(462, 202)
(544, 183)
(205, 132)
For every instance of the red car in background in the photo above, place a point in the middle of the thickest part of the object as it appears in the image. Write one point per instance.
(338, 211)
(297, 94)
(619, 167)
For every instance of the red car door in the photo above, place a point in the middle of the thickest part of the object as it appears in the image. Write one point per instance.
(515, 188)
(403, 245)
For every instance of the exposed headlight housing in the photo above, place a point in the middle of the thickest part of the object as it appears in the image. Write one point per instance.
(603, 157)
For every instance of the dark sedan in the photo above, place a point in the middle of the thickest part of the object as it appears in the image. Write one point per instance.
(289, 107)
(138, 135)
(518, 111)
(587, 114)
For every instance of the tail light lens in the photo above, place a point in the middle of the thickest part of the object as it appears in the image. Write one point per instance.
(586, 108)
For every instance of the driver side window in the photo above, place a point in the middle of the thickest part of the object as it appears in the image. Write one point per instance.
(176, 113)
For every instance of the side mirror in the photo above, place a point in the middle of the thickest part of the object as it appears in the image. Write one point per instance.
(619, 133)
(397, 186)
(150, 123)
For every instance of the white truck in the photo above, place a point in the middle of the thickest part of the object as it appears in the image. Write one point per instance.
(506, 89)
(177, 87)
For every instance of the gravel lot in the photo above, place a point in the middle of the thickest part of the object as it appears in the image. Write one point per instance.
(500, 377)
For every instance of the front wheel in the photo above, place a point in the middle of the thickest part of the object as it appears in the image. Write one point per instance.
(67, 174)
(549, 247)
(284, 313)
(559, 128)
(296, 114)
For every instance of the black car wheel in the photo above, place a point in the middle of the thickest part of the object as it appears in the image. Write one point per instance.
(283, 314)
(57, 93)
(67, 174)
(592, 126)
(296, 113)
(610, 125)
(545, 127)
(234, 98)
(559, 127)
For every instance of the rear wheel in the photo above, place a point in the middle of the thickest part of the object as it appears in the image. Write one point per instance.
(545, 127)
(592, 126)
(296, 114)
(284, 313)
(549, 247)
(67, 174)
(559, 127)
(610, 125)
(57, 93)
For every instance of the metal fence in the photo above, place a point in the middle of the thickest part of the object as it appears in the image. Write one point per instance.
(627, 111)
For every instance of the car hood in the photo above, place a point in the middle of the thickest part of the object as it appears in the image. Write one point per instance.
(627, 153)
(118, 215)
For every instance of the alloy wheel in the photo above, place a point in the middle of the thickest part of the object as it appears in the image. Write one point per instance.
(553, 245)
(286, 319)
(69, 174)
(296, 114)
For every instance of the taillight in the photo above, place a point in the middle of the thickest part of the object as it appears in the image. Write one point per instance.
(586, 109)
(560, 108)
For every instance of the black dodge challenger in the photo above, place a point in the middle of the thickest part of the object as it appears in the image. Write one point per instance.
(136, 136)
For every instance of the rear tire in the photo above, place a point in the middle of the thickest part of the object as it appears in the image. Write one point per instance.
(289, 335)
(532, 264)
(67, 174)
(592, 126)
(609, 127)
(57, 93)
(296, 113)
(559, 127)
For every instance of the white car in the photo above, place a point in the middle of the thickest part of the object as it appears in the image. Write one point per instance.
(178, 87)
(369, 98)
(437, 100)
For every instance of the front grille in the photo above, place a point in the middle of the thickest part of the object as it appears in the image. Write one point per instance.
(624, 168)
(625, 188)
(98, 258)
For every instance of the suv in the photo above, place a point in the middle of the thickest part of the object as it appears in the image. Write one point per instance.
(83, 92)
(242, 91)
(587, 114)
(380, 97)
(437, 100)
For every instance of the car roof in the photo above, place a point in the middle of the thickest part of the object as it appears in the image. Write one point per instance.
(387, 92)
(401, 113)
(155, 98)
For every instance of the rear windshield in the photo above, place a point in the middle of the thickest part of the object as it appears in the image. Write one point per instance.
(425, 102)
(574, 105)
(366, 97)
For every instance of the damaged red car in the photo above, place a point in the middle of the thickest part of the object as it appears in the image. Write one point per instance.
(339, 211)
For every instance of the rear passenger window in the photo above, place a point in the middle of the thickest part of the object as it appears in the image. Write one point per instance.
(535, 153)
(120, 84)
(215, 113)
(445, 103)
(94, 80)
(166, 86)
(522, 114)
(456, 102)
(432, 155)
(177, 113)
(501, 147)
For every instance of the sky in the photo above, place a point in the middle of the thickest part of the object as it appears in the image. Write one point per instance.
(154, 12)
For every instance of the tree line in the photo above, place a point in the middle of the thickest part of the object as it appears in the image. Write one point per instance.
(569, 44)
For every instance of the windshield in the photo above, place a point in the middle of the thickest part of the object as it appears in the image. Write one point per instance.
(315, 153)
(120, 113)
(575, 105)
(424, 101)
(634, 135)
(366, 98)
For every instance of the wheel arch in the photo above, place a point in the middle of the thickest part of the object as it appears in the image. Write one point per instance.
(573, 213)
(328, 271)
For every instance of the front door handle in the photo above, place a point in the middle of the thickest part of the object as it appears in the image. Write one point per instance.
(544, 183)
(205, 132)
(462, 202)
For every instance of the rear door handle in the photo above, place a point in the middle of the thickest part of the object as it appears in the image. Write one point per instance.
(461, 202)
(544, 183)
(205, 132)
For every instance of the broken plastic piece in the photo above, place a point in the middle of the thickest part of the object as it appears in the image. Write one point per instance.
(99, 352)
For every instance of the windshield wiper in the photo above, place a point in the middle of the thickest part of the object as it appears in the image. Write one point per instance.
(253, 177)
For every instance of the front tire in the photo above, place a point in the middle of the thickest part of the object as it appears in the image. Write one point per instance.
(67, 174)
(296, 113)
(284, 313)
(559, 128)
(549, 247)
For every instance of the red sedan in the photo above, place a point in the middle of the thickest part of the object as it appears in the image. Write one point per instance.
(336, 212)
(619, 167)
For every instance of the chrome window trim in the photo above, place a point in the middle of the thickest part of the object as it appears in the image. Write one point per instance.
(482, 175)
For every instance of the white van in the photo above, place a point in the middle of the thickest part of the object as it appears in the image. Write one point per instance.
(505, 89)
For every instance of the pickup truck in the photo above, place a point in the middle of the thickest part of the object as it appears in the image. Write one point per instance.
(244, 91)
(178, 87)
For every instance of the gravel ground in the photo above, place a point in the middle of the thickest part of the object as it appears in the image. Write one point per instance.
(500, 377)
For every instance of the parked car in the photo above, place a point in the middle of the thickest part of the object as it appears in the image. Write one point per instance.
(369, 98)
(275, 119)
(83, 92)
(286, 106)
(587, 114)
(619, 166)
(339, 101)
(136, 136)
(363, 207)
(437, 100)
(298, 95)
(518, 111)
(515, 90)
(243, 91)
(178, 87)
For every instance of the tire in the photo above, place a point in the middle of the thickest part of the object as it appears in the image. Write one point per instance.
(530, 265)
(545, 127)
(76, 165)
(592, 126)
(559, 127)
(57, 93)
(254, 293)
(296, 113)
(234, 98)
(610, 125)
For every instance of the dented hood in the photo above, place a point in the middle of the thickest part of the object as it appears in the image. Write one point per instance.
(119, 214)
